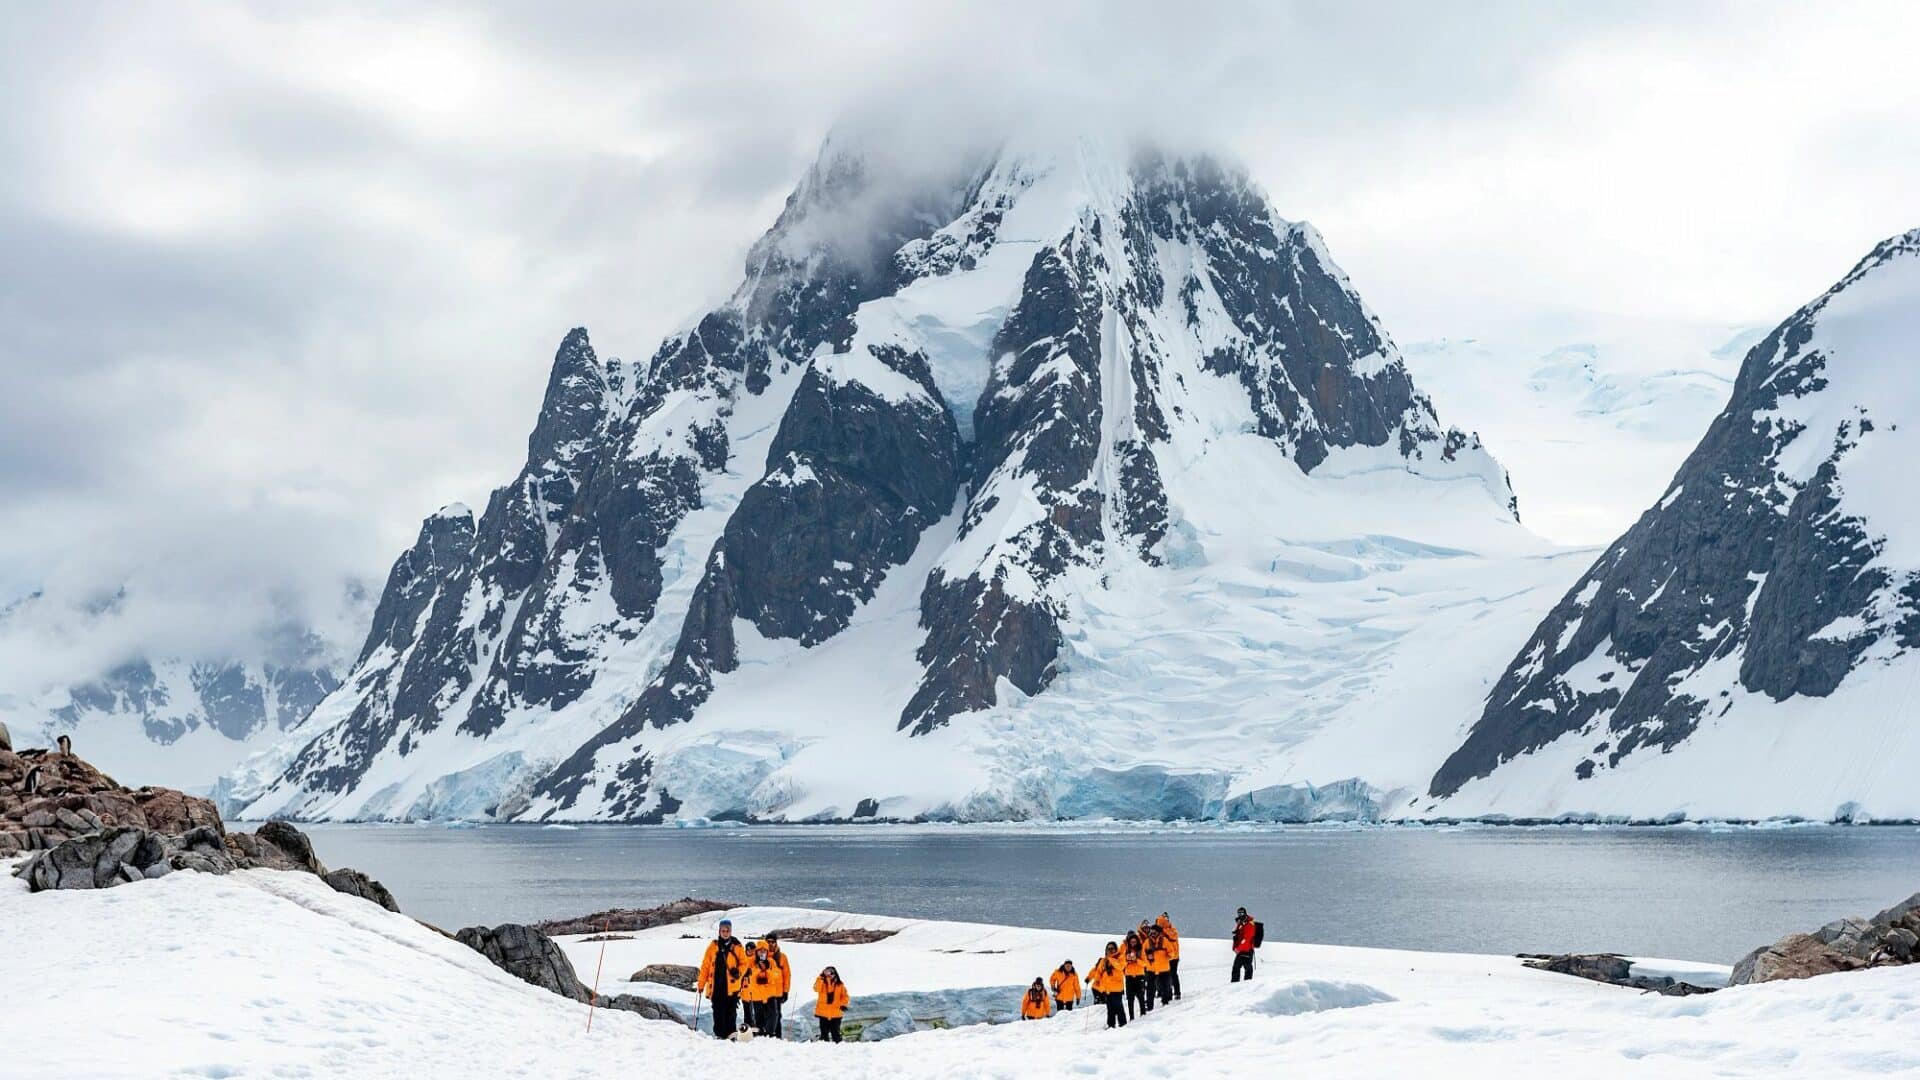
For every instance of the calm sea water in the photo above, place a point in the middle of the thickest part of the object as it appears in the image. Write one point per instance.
(1693, 893)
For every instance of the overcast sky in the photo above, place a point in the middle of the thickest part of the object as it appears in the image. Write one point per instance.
(278, 280)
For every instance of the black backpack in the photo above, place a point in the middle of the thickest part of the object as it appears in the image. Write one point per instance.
(1259, 933)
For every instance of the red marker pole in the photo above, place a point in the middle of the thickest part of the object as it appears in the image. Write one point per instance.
(602, 962)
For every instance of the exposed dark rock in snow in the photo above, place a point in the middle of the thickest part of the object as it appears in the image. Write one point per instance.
(124, 854)
(1610, 968)
(813, 935)
(88, 832)
(678, 976)
(354, 883)
(626, 919)
(527, 955)
(1761, 571)
(533, 957)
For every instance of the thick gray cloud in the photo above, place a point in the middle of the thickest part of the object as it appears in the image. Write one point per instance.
(279, 279)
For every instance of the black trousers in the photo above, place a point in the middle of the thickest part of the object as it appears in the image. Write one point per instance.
(1242, 961)
(1161, 983)
(724, 1021)
(1116, 1009)
(1062, 1005)
(1173, 975)
(829, 1028)
(1137, 994)
(770, 1018)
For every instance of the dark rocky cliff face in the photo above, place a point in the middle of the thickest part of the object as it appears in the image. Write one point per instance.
(1738, 569)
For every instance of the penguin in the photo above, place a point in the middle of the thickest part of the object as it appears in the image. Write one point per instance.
(32, 782)
(66, 745)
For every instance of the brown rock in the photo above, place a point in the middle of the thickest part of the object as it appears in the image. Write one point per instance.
(1796, 956)
(170, 811)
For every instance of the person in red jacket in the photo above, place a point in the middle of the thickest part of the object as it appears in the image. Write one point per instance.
(1245, 939)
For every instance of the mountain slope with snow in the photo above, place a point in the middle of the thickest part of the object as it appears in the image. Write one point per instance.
(1589, 418)
(1748, 648)
(1068, 480)
(184, 720)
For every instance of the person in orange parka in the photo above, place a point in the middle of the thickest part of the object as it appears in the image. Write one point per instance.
(1173, 952)
(1065, 984)
(831, 1005)
(1133, 955)
(771, 943)
(721, 970)
(1159, 963)
(1034, 1004)
(761, 990)
(1107, 978)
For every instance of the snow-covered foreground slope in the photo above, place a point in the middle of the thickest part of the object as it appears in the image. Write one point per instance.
(1750, 648)
(265, 973)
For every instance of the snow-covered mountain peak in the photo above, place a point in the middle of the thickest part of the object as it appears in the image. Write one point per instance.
(961, 409)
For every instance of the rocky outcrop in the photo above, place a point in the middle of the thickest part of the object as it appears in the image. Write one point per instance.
(122, 855)
(533, 957)
(1890, 938)
(47, 798)
(643, 1006)
(88, 832)
(170, 811)
(1614, 969)
(6, 739)
(678, 976)
(354, 883)
(629, 919)
(527, 955)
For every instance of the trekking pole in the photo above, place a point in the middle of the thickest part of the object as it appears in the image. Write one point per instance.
(695, 1026)
(595, 999)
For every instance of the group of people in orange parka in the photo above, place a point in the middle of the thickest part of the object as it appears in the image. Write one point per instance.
(1129, 978)
(756, 979)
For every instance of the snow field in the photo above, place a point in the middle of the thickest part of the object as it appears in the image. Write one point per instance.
(264, 973)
